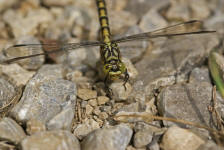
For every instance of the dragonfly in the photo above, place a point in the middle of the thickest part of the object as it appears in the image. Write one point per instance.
(113, 67)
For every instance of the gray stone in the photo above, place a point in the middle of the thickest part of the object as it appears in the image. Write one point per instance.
(177, 138)
(188, 102)
(46, 97)
(11, 131)
(114, 138)
(200, 75)
(142, 138)
(51, 140)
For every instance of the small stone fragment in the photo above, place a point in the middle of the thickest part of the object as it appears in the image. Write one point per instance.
(101, 100)
(93, 102)
(103, 115)
(86, 94)
(51, 140)
(11, 131)
(89, 109)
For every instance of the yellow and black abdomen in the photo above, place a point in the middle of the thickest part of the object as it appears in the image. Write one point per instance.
(104, 21)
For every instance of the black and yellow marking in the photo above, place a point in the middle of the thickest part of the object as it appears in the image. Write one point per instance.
(113, 67)
(104, 21)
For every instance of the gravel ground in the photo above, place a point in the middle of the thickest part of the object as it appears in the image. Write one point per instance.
(60, 102)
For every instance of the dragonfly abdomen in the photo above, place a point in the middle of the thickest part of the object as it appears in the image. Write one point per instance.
(104, 21)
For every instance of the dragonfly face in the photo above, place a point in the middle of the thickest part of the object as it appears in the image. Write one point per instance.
(114, 69)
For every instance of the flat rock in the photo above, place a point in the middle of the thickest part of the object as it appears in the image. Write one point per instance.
(11, 131)
(172, 61)
(45, 97)
(114, 138)
(188, 102)
(177, 138)
(51, 140)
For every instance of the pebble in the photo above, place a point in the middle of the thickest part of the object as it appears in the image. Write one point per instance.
(142, 138)
(51, 140)
(114, 138)
(11, 131)
(177, 138)
(101, 100)
(86, 94)
(119, 92)
(89, 109)
(93, 102)
(82, 130)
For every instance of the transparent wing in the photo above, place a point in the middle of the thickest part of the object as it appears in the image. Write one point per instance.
(185, 28)
(23, 51)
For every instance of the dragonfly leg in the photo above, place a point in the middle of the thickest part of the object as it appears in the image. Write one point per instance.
(126, 78)
(108, 89)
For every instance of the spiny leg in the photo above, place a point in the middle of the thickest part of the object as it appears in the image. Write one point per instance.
(126, 78)
(108, 89)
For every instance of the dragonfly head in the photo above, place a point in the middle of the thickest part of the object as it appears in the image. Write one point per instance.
(114, 69)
